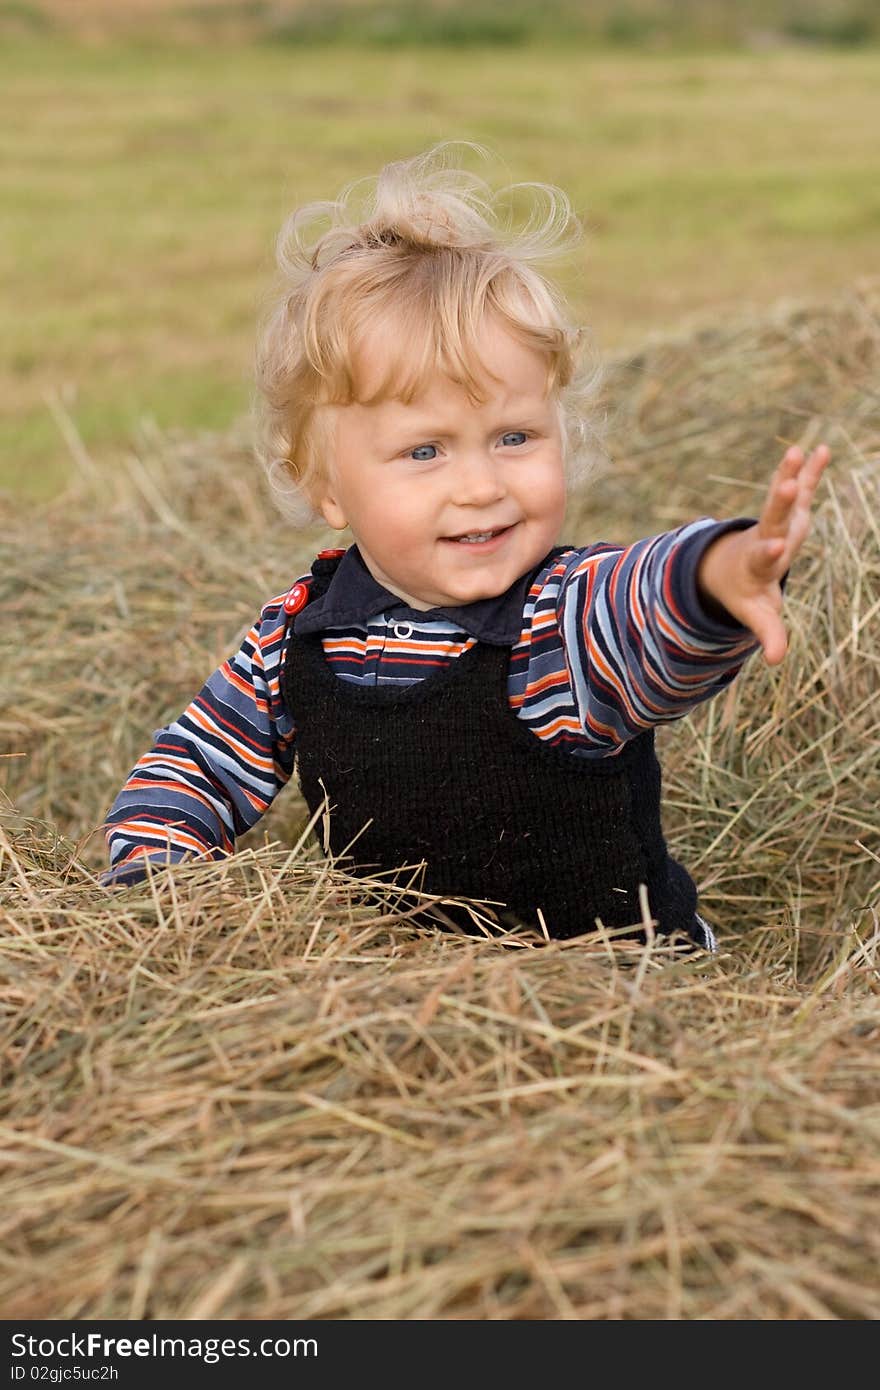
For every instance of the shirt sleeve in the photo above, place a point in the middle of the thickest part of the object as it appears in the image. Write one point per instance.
(213, 772)
(641, 645)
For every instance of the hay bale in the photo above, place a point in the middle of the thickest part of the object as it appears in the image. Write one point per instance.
(259, 1089)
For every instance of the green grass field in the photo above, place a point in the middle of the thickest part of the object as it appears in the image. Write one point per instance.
(145, 185)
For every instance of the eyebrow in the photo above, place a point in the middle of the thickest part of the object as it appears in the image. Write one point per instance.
(427, 426)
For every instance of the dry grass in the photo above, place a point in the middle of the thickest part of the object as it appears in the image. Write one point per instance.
(257, 1089)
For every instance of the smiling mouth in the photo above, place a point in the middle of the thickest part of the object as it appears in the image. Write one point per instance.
(477, 537)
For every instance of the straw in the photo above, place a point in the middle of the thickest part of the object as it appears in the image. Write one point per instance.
(261, 1088)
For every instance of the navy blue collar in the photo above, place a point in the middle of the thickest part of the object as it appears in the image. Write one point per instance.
(353, 596)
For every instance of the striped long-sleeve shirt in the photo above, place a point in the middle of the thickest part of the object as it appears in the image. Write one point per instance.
(605, 642)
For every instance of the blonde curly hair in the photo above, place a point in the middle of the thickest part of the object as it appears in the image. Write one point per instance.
(423, 246)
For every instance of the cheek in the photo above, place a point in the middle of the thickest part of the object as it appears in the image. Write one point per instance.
(393, 515)
(553, 490)
(365, 498)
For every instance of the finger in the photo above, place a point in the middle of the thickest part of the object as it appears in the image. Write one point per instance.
(820, 457)
(801, 515)
(806, 470)
(777, 509)
(810, 474)
(775, 648)
(765, 560)
(770, 632)
(781, 496)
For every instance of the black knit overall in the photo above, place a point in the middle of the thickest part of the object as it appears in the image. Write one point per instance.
(443, 771)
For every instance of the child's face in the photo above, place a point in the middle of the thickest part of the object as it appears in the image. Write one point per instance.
(410, 480)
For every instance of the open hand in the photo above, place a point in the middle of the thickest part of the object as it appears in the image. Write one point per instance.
(742, 569)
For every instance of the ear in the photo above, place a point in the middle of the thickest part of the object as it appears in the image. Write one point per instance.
(330, 509)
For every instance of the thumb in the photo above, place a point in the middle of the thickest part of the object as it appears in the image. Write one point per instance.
(770, 632)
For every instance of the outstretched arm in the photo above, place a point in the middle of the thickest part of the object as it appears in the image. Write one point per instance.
(743, 570)
(641, 647)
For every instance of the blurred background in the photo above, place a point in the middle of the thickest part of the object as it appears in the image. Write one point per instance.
(721, 155)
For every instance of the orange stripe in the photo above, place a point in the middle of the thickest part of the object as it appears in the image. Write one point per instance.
(172, 787)
(163, 834)
(680, 645)
(240, 684)
(546, 683)
(563, 722)
(358, 648)
(633, 593)
(200, 718)
(611, 677)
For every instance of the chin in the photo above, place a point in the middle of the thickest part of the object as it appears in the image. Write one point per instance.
(482, 591)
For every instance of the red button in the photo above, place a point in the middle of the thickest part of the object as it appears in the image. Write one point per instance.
(329, 554)
(297, 598)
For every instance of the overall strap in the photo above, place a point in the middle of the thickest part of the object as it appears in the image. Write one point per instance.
(304, 590)
(324, 566)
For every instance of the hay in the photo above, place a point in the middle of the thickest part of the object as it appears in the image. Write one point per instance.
(259, 1089)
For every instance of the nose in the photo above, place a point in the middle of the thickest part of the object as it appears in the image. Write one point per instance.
(478, 480)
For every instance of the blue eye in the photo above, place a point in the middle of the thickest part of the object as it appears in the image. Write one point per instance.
(426, 453)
